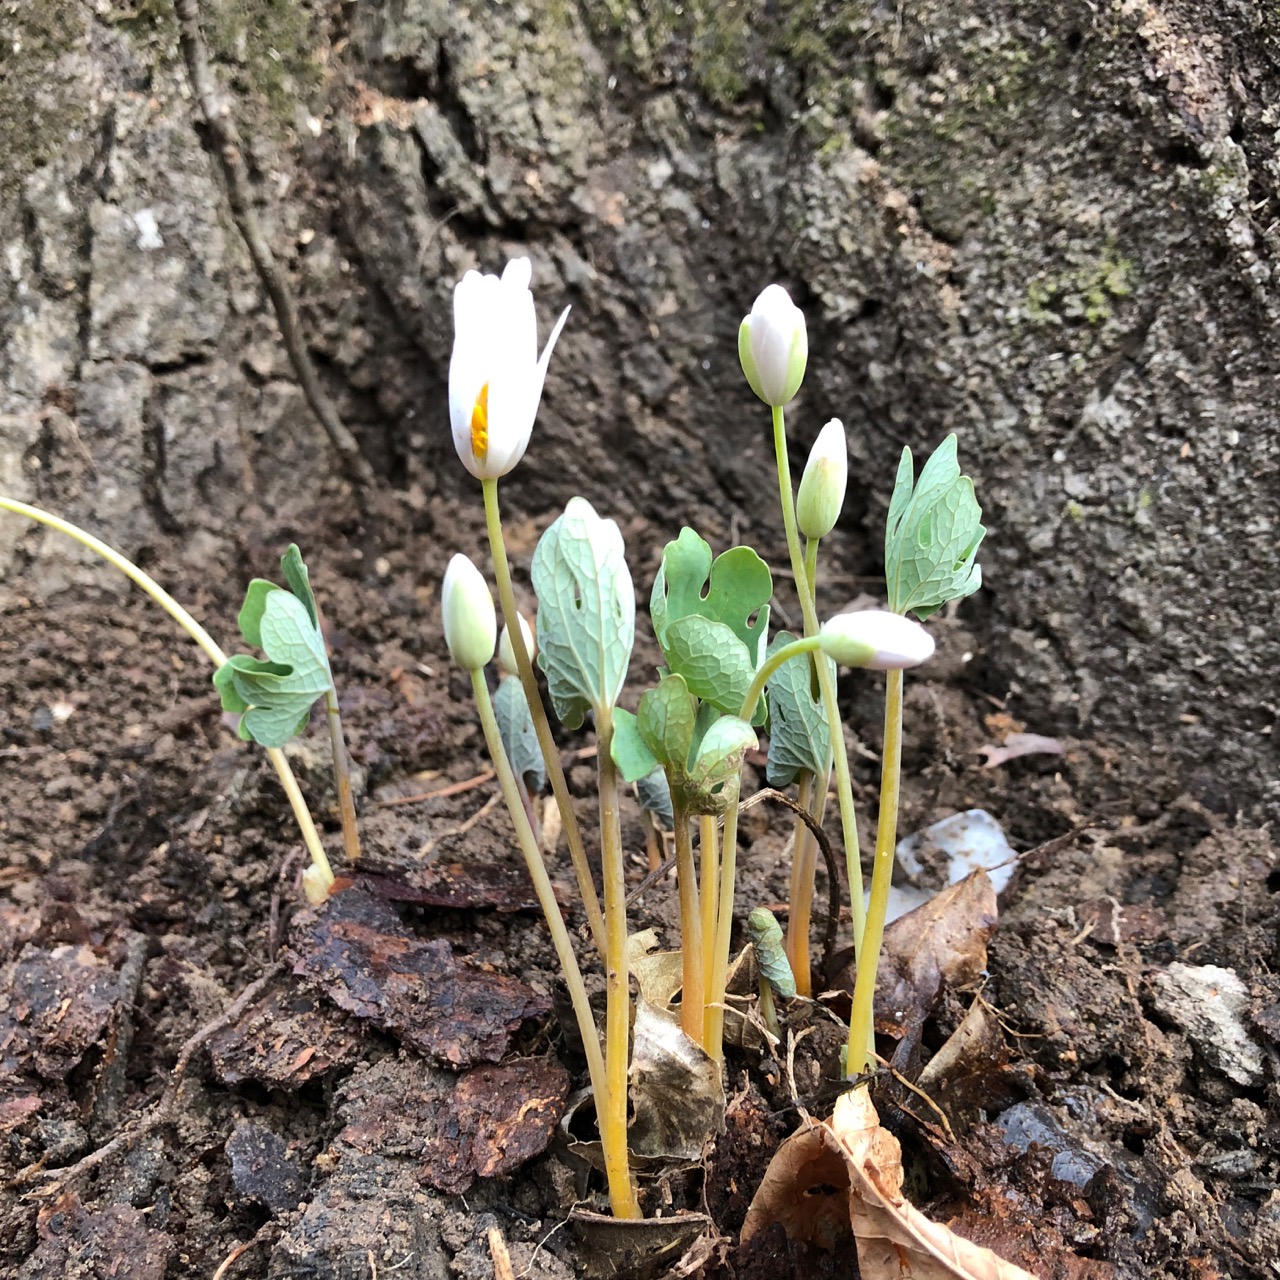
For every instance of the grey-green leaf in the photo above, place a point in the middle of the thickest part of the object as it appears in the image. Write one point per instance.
(586, 611)
(628, 750)
(275, 697)
(798, 737)
(654, 792)
(932, 535)
(249, 619)
(713, 661)
(519, 737)
(295, 573)
(734, 589)
(666, 718)
(771, 955)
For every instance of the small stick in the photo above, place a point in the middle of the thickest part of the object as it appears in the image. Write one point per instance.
(440, 793)
(163, 1110)
(229, 153)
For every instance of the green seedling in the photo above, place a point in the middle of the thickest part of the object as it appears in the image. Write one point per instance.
(774, 969)
(932, 537)
(318, 877)
(273, 696)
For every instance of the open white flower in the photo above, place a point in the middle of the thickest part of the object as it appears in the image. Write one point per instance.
(773, 346)
(495, 373)
(876, 639)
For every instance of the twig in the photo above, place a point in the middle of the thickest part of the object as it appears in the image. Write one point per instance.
(163, 1110)
(229, 152)
(453, 789)
(502, 1268)
(833, 874)
(463, 827)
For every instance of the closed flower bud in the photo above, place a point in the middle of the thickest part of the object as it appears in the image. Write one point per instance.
(495, 373)
(773, 346)
(826, 476)
(876, 639)
(506, 655)
(470, 623)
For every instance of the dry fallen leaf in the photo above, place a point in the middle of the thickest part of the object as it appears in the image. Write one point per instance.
(1019, 744)
(846, 1175)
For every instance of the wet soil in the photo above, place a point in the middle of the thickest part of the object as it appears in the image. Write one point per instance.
(356, 1118)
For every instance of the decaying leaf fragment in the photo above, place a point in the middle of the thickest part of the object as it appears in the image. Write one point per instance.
(845, 1175)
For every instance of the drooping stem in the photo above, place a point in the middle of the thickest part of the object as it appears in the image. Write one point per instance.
(862, 1019)
(796, 649)
(321, 874)
(713, 1041)
(542, 887)
(709, 891)
(693, 990)
(613, 1116)
(826, 682)
(541, 725)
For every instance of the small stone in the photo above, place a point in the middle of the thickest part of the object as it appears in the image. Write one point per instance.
(1209, 1003)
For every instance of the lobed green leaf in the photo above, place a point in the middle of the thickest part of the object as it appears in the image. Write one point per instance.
(715, 664)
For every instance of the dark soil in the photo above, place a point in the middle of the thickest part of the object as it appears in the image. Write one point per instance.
(357, 1119)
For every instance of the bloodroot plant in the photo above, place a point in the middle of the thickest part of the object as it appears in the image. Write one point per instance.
(722, 683)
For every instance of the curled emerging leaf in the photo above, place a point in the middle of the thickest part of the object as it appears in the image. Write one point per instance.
(586, 611)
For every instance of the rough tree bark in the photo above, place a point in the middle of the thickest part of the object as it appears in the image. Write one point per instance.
(1050, 226)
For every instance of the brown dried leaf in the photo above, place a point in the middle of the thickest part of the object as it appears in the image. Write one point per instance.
(356, 951)
(942, 944)
(846, 1174)
(675, 1090)
(285, 1039)
(452, 886)
(498, 1118)
(1019, 744)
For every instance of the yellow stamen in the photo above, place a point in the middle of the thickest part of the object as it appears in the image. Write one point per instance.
(480, 425)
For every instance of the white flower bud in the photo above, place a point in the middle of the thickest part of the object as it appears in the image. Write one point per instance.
(773, 345)
(470, 623)
(822, 487)
(506, 655)
(877, 639)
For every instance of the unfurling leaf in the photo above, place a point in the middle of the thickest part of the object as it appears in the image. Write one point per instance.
(932, 535)
(274, 698)
(586, 612)
(667, 718)
(628, 749)
(798, 736)
(771, 954)
(717, 761)
(734, 590)
(519, 737)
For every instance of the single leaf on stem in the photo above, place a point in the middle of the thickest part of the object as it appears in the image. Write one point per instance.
(734, 590)
(586, 611)
(932, 535)
(799, 739)
(519, 737)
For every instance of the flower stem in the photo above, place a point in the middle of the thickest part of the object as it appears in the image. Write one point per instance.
(341, 762)
(709, 842)
(826, 682)
(800, 898)
(613, 1116)
(796, 649)
(321, 872)
(713, 1041)
(542, 887)
(862, 1019)
(693, 990)
(555, 772)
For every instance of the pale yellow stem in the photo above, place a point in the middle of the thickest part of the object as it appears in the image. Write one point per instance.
(692, 992)
(541, 725)
(709, 894)
(322, 872)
